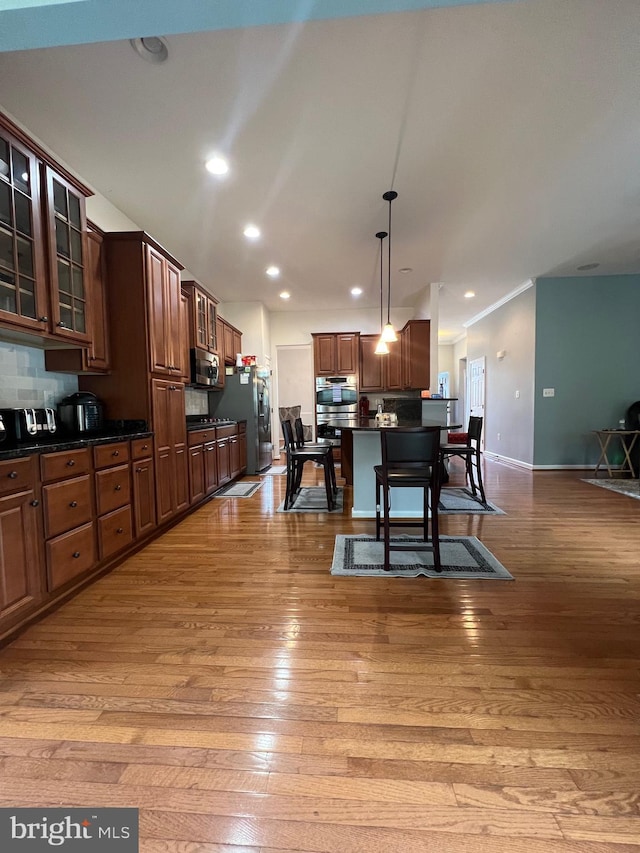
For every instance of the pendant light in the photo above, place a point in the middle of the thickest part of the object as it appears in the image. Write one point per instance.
(381, 347)
(389, 333)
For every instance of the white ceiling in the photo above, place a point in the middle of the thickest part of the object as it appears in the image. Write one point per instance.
(511, 132)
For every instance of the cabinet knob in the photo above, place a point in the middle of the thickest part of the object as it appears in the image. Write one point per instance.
(139, 470)
(35, 503)
(43, 319)
(116, 453)
(145, 446)
(61, 325)
(120, 530)
(118, 487)
(75, 555)
(13, 475)
(73, 504)
(71, 463)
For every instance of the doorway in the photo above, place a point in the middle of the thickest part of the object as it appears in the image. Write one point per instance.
(475, 396)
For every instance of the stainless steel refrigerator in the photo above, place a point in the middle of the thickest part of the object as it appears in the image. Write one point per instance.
(246, 397)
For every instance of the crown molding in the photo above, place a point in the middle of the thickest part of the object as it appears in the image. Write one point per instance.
(511, 295)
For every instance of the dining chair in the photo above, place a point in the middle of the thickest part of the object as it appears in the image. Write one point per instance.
(296, 457)
(301, 444)
(470, 452)
(410, 459)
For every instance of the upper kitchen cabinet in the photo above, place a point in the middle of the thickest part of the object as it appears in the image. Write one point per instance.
(229, 341)
(168, 344)
(406, 366)
(68, 257)
(336, 353)
(23, 298)
(43, 248)
(416, 348)
(202, 314)
(93, 358)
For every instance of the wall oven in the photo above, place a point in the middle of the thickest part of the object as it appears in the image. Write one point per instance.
(336, 406)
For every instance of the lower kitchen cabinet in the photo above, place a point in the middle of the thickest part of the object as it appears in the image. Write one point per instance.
(21, 560)
(144, 489)
(172, 482)
(67, 504)
(196, 473)
(113, 497)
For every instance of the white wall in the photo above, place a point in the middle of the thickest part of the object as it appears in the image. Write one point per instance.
(252, 318)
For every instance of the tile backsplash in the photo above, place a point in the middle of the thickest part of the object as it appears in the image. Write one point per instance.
(25, 382)
(196, 401)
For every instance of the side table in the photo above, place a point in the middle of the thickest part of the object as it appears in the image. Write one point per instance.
(604, 438)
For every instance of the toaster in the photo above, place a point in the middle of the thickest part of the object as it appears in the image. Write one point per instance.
(23, 425)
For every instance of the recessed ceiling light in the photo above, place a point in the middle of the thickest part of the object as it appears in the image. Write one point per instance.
(356, 291)
(273, 272)
(588, 267)
(285, 294)
(217, 165)
(405, 270)
(469, 294)
(251, 232)
(151, 48)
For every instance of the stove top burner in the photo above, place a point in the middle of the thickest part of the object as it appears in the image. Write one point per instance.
(205, 419)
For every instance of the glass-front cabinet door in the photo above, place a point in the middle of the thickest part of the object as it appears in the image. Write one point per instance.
(68, 258)
(22, 286)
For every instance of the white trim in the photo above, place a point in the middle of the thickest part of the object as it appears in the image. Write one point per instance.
(512, 295)
(366, 513)
(518, 463)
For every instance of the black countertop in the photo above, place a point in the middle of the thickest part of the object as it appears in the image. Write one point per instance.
(68, 443)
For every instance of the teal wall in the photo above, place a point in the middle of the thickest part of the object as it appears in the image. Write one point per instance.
(587, 347)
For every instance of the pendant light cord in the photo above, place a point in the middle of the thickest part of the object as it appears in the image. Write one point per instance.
(389, 196)
(381, 235)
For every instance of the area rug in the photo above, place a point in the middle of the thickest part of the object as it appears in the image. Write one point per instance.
(239, 490)
(461, 557)
(276, 469)
(630, 488)
(460, 501)
(313, 499)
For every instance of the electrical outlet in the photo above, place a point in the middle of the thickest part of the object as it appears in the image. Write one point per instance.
(498, 436)
(517, 395)
(548, 392)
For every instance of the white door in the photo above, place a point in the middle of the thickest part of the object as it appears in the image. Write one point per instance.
(476, 391)
(294, 384)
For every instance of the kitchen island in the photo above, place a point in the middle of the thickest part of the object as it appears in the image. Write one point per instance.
(360, 451)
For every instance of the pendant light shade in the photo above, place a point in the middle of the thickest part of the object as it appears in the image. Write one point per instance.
(388, 332)
(381, 348)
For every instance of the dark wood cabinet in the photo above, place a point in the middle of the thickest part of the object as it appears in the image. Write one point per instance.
(405, 367)
(210, 452)
(166, 316)
(336, 353)
(170, 442)
(372, 366)
(242, 445)
(416, 348)
(202, 316)
(223, 461)
(196, 473)
(69, 516)
(143, 487)
(21, 560)
(43, 242)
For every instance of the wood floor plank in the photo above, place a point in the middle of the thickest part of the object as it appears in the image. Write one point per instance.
(244, 699)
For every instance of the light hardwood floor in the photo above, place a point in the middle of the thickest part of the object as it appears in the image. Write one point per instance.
(223, 682)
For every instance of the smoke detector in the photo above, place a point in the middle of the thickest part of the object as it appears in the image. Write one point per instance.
(151, 48)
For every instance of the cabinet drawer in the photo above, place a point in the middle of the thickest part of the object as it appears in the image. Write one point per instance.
(66, 505)
(200, 436)
(16, 474)
(113, 488)
(70, 555)
(115, 531)
(141, 448)
(111, 454)
(65, 463)
(225, 431)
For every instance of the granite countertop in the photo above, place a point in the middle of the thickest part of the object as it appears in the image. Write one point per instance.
(69, 443)
(193, 425)
(370, 424)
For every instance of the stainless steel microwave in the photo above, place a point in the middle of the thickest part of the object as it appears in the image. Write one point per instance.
(205, 368)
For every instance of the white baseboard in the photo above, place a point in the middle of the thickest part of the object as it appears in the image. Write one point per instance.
(518, 463)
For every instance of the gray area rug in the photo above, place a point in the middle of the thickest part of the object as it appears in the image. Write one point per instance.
(239, 490)
(313, 499)
(630, 488)
(460, 501)
(276, 469)
(461, 556)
